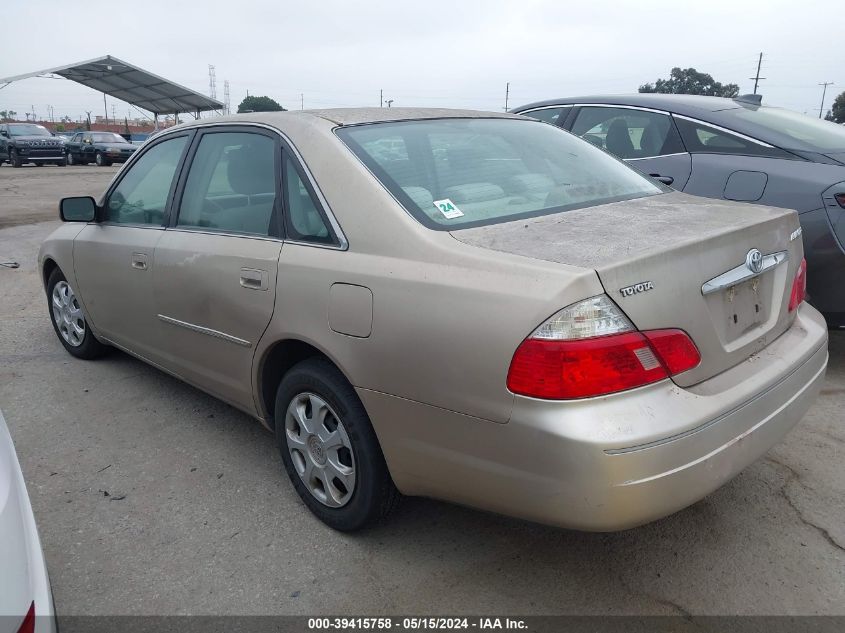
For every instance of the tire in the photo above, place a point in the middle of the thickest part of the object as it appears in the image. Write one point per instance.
(101, 160)
(61, 163)
(345, 444)
(62, 314)
(39, 164)
(15, 159)
(70, 159)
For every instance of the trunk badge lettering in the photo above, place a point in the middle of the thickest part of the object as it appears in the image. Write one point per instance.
(630, 291)
(754, 260)
(795, 234)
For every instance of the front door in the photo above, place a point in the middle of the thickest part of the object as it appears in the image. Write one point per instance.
(216, 264)
(646, 139)
(114, 259)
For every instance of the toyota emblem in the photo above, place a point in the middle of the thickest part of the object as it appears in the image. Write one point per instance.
(754, 260)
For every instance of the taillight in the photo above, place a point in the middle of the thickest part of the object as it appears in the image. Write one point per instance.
(590, 349)
(28, 624)
(840, 198)
(799, 286)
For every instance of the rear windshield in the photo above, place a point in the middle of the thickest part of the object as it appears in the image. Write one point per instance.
(801, 131)
(457, 173)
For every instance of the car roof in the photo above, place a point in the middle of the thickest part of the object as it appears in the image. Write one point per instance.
(352, 116)
(690, 105)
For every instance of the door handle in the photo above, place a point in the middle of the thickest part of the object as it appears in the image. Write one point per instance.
(139, 261)
(666, 180)
(254, 279)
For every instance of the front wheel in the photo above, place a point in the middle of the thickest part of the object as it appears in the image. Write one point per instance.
(101, 160)
(329, 448)
(15, 159)
(70, 159)
(69, 321)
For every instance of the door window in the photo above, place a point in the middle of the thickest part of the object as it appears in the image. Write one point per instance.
(232, 184)
(141, 195)
(628, 133)
(303, 219)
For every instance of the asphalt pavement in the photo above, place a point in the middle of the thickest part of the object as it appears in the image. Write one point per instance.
(154, 498)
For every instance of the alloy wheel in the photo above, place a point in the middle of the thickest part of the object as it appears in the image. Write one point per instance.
(67, 314)
(320, 449)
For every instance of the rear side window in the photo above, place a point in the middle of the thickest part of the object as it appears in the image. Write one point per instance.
(456, 173)
(232, 184)
(701, 138)
(304, 222)
(141, 195)
(554, 116)
(628, 133)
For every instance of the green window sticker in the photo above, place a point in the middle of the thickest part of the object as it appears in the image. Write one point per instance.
(448, 209)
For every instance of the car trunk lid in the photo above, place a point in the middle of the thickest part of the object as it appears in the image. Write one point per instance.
(654, 256)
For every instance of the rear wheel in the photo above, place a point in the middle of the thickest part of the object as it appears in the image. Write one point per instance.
(69, 321)
(61, 163)
(39, 164)
(70, 159)
(329, 448)
(15, 159)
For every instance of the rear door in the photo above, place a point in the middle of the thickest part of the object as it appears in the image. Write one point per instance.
(114, 258)
(647, 139)
(217, 262)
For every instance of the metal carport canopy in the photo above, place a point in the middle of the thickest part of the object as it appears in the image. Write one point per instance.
(122, 80)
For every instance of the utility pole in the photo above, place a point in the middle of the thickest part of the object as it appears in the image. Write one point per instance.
(381, 98)
(34, 118)
(227, 103)
(757, 78)
(301, 100)
(507, 94)
(113, 113)
(106, 108)
(824, 92)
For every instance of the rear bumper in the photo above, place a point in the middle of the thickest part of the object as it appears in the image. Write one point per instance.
(608, 463)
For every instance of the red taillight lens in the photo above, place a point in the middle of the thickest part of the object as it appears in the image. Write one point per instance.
(566, 370)
(840, 198)
(799, 287)
(28, 624)
(675, 349)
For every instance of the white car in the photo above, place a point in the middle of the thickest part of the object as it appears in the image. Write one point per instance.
(26, 602)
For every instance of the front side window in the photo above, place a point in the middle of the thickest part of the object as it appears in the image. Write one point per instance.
(141, 195)
(232, 184)
(628, 133)
(469, 172)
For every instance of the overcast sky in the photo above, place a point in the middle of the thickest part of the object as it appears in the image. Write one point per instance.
(449, 53)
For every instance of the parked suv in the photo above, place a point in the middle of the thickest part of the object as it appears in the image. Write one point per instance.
(30, 143)
(102, 148)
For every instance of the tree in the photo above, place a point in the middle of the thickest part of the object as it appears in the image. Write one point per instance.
(691, 82)
(835, 114)
(259, 104)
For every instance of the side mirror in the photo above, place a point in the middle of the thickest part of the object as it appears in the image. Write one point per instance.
(81, 209)
(4, 133)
